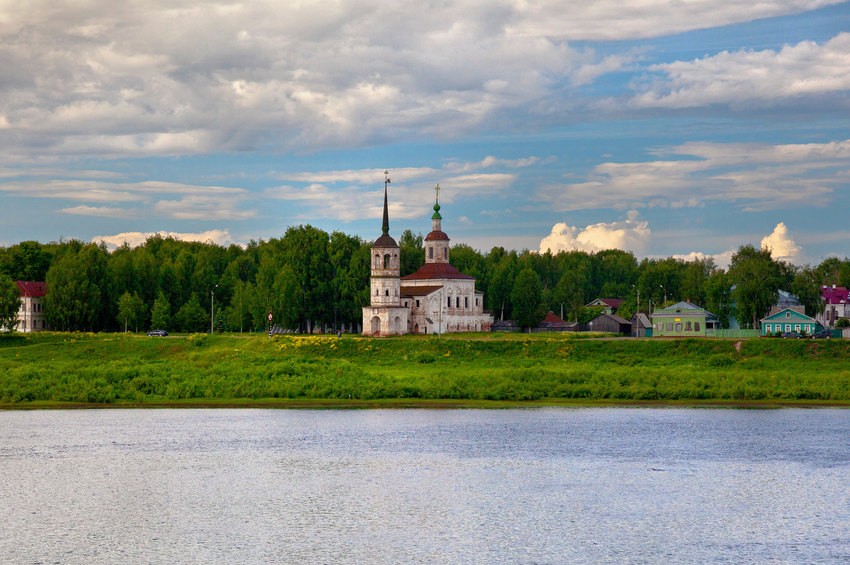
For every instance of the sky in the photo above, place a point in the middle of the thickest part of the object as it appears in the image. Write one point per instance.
(662, 128)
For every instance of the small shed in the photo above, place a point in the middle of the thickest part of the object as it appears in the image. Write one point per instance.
(610, 323)
(641, 326)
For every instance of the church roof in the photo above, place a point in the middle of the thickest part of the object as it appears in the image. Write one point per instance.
(419, 290)
(437, 235)
(385, 240)
(430, 271)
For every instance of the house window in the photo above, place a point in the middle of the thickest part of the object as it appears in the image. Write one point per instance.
(669, 327)
(678, 326)
(787, 314)
(696, 326)
(687, 326)
(796, 327)
(787, 327)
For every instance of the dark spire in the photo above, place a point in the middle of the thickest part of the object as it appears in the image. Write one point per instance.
(386, 225)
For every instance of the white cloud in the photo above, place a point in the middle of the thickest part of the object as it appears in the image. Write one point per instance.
(743, 77)
(135, 239)
(100, 211)
(754, 176)
(781, 245)
(629, 235)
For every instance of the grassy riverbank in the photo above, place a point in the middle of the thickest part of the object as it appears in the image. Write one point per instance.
(48, 370)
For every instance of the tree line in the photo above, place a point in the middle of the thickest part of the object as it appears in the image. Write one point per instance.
(310, 279)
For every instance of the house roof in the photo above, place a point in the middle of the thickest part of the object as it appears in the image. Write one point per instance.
(433, 271)
(419, 290)
(834, 294)
(553, 321)
(33, 289)
(610, 302)
(683, 308)
(788, 314)
(614, 317)
(642, 320)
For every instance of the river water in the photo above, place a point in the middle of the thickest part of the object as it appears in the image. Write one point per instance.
(425, 486)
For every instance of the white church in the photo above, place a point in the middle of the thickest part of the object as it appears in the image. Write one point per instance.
(436, 299)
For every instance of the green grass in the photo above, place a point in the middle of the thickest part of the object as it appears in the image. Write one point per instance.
(54, 369)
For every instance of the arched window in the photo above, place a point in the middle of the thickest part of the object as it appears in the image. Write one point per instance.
(387, 261)
(430, 252)
(445, 252)
(387, 292)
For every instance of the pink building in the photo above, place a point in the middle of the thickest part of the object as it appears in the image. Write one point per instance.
(836, 305)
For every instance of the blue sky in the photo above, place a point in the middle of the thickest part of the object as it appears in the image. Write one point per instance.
(682, 129)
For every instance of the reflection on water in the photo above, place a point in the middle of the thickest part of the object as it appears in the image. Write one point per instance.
(391, 486)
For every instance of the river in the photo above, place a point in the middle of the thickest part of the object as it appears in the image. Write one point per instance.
(618, 485)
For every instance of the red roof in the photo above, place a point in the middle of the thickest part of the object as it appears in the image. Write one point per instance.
(437, 235)
(834, 294)
(436, 271)
(552, 318)
(419, 290)
(32, 289)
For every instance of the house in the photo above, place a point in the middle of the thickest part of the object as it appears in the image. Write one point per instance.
(31, 313)
(684, 319)
(554, 323)
(435, 299)
(641, 326)
(789, 320)
(610, 323)
(609, 305)
(836, 305)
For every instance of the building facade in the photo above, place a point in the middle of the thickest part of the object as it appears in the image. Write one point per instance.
(684, 319)
(789, 320)
(437, 298)
(836, 305)
(31, 313)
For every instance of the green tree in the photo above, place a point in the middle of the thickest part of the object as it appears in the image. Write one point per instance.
(756, 278)
(131, 310)
(191, 317)
(526, 299)
(161, 312)
(10, 303)
(412, 252)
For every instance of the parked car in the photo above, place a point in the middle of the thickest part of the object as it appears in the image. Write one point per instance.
(822, 334)
(792, 335)
(157, 333)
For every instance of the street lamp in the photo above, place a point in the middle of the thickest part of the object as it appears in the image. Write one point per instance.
(665, 295)
(212, 309)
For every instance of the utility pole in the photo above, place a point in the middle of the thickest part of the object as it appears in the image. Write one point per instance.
(212, 309)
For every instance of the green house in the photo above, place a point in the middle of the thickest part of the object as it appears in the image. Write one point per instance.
(684, 320)
(788, 320)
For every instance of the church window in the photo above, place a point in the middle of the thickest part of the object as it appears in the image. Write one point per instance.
(449, 302)
(430, 252)
(466, 302)
(417, 303)
(445, 252)
(457, 302)
(387, 292)
(387, 261)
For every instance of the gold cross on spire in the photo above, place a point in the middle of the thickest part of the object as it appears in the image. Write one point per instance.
(437, 190)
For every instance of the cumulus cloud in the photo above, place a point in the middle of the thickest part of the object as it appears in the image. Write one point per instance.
(629, 235)
(135, 239)
(186, 77)
(781, 245)
(752, 176)
(742, 77)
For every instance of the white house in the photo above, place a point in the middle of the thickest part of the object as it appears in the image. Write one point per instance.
(31, 313)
